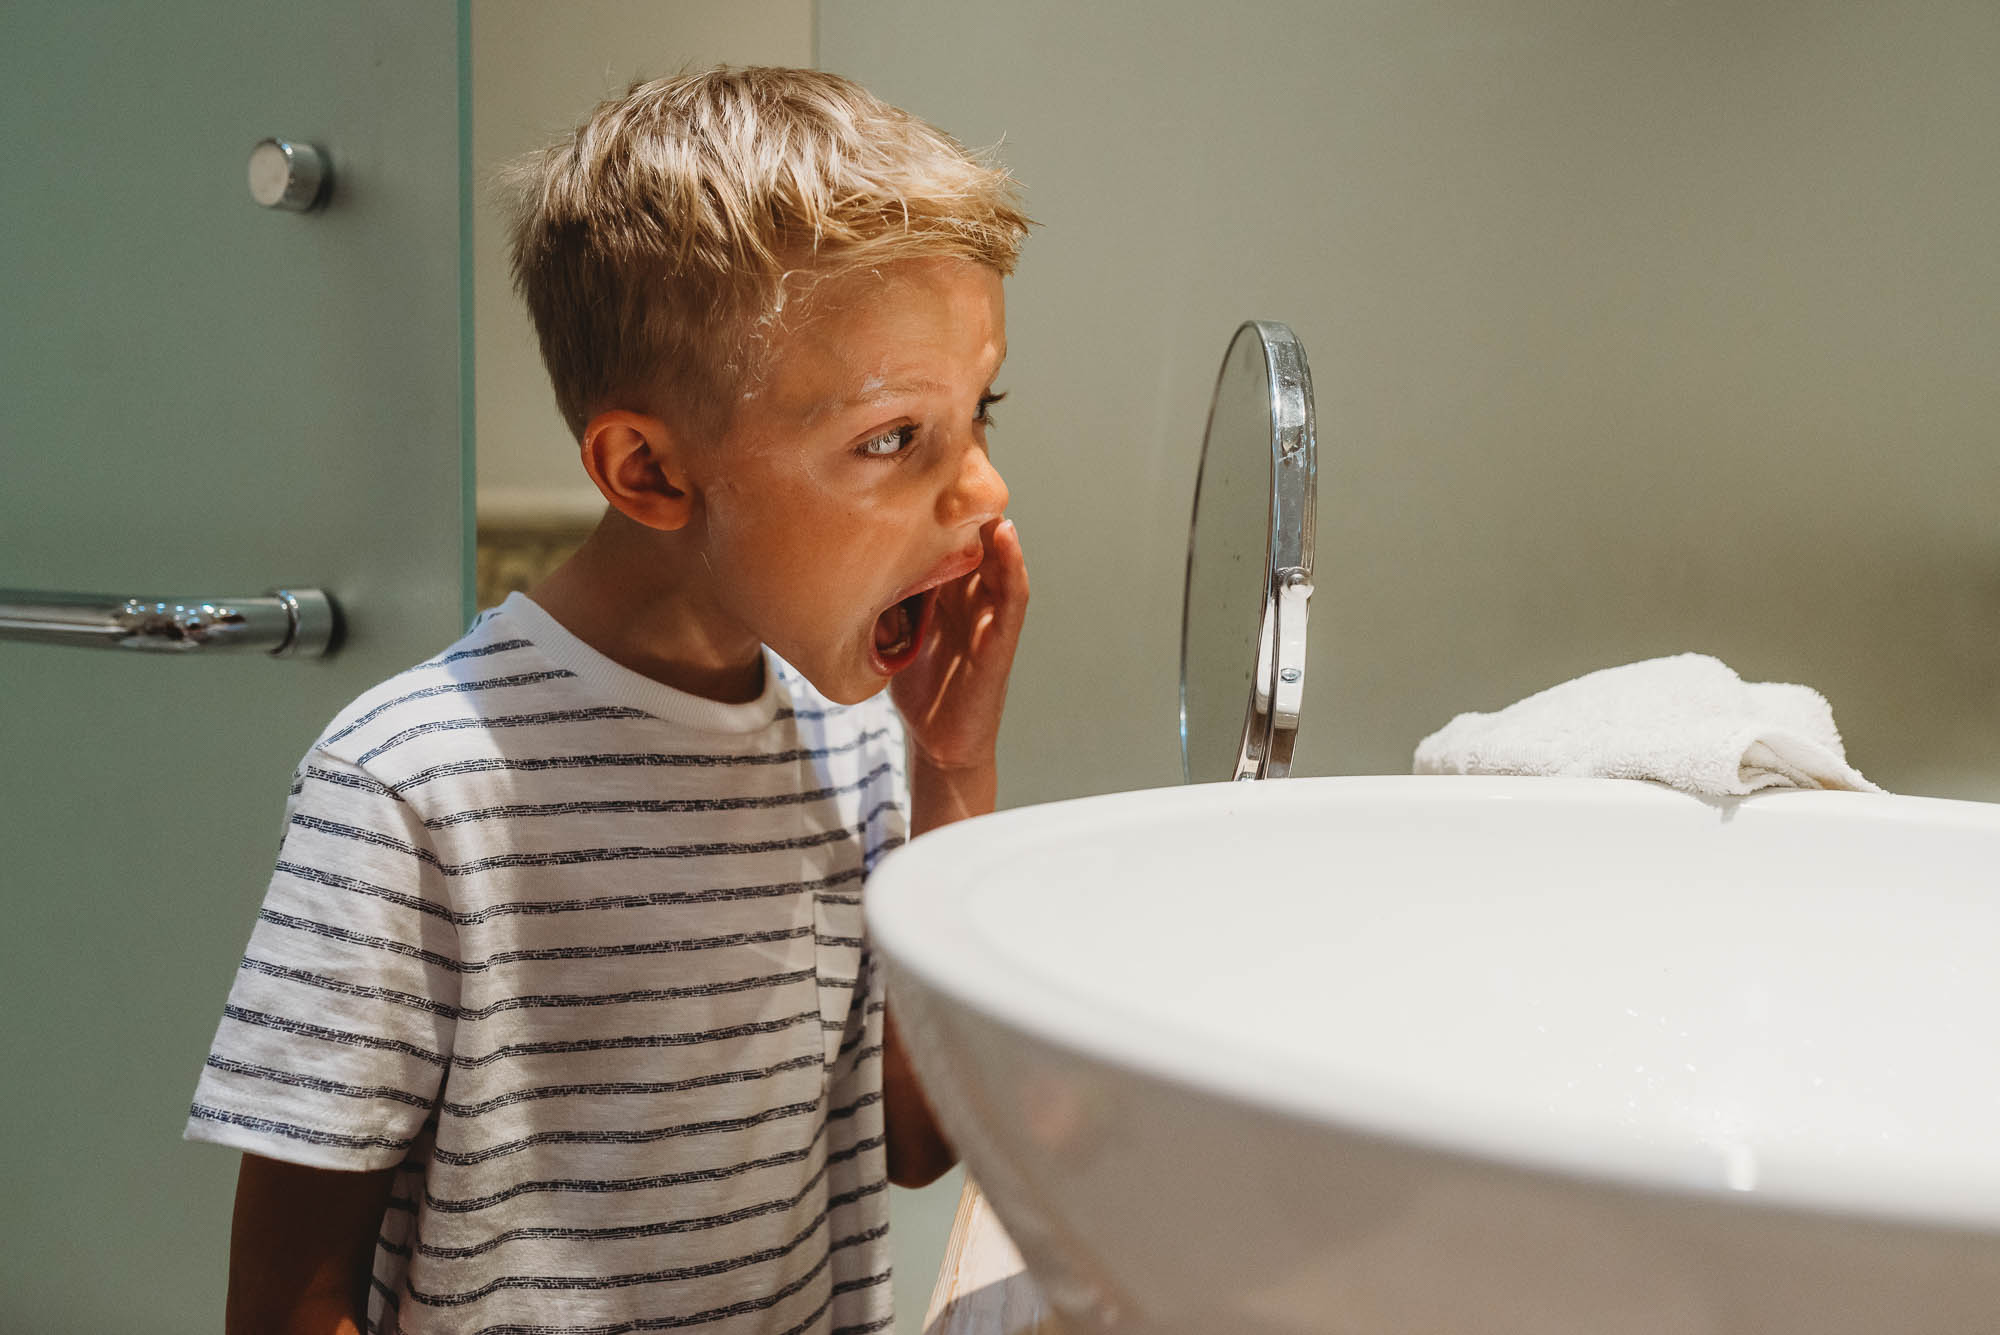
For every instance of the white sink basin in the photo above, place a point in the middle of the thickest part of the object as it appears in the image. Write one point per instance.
(1454, 1055)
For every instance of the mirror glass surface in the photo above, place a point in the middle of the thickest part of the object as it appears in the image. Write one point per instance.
(1228, 578)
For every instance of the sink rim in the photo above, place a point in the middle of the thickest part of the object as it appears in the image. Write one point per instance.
(905, 907)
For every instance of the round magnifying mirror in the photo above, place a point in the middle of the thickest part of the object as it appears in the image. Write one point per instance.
(1249, 571)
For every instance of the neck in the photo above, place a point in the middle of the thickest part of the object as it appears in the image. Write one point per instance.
(633, 594)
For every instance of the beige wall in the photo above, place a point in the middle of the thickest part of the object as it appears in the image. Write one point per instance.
(538, 67)
(1636, 327)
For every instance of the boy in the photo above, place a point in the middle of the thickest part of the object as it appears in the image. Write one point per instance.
(558, 1015)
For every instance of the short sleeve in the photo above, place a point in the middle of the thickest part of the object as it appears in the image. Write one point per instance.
(338, 1029)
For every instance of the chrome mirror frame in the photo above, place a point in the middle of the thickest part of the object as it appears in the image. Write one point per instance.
(1271, 716)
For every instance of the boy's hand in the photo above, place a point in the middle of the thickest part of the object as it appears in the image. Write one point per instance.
(951, 697)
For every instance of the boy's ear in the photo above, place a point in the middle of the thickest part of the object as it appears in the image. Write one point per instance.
(640, 466)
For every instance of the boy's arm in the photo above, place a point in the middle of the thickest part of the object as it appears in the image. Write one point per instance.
(951, 700)
(302, 1248)
(940, 796)
(918, 1151)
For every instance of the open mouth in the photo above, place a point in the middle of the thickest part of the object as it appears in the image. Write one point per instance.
(901, 627)
(899, 631)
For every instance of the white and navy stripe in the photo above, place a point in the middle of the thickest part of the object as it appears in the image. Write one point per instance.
(583, 955)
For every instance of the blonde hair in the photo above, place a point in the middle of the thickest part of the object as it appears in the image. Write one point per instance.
(659, 242)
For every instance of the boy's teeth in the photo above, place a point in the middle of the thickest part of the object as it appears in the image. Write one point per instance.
(893, 630)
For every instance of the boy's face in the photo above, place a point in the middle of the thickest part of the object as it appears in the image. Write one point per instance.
(854, 480)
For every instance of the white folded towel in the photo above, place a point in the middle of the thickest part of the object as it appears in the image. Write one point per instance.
(1686, 721)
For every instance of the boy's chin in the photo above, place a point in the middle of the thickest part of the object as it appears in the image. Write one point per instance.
(852, 696)
(841, 683)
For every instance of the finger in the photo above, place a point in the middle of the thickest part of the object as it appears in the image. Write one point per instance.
(1007, 572)
(1013, 563)
(982, 627)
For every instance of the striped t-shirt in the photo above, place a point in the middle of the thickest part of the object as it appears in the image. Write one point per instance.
(583, 955)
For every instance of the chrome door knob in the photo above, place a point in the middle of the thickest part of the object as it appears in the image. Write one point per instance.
(288, 175)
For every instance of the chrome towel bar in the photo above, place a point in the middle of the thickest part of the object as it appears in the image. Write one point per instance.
(286, 623)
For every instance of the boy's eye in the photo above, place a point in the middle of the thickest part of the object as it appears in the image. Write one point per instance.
(985, 414)
(888, 444)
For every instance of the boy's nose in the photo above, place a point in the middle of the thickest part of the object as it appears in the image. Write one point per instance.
(977, 494)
